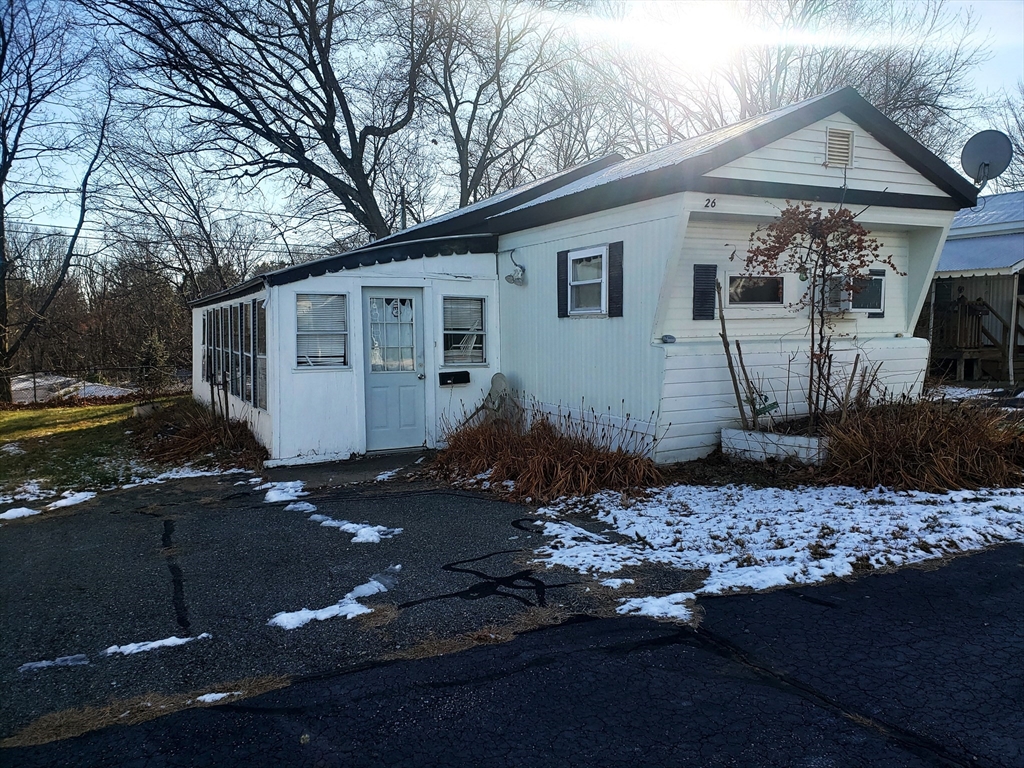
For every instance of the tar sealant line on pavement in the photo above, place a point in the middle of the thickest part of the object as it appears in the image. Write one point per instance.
(491, 586)
(177, 578)
(922, 746)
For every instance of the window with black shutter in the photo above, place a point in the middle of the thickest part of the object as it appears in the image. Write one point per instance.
(590, 281)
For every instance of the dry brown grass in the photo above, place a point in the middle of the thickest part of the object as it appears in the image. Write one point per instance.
(492, 634)
(69, 723)
(187, 431)
(381, 615)
(548, 457)
(927, 446)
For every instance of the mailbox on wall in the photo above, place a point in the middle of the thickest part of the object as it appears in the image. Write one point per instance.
(450, 378)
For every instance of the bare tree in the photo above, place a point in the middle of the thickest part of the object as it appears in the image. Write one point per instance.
(482, 83)
(43, 58)
(311, 88)
(913, 61)
(163, 197)
(1012, 113)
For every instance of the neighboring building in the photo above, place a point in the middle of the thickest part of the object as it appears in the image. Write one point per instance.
(379, 348)
(976, 296)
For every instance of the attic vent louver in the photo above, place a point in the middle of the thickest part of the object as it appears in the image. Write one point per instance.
(838, 147)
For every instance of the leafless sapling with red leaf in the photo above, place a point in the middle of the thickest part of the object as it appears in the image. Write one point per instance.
(831, 251)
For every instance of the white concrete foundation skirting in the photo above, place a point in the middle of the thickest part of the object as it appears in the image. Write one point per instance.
(759, 446)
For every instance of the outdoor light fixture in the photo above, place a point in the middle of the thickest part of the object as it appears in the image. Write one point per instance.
(518, 276)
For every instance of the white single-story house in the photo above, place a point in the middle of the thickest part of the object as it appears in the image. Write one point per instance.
(593, 288)
(976, 296)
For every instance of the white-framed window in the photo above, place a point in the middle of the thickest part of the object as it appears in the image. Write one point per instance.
(588, 281)
(867, 293)
(261, 355)
(756, 290)
(321, 329)
(464, 330)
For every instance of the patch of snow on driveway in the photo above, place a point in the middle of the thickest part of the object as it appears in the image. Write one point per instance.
(167, 642)
(70, 498)
(210, 698)
(78, 660)
(348, 606)
(364, 533)
(668, 607)
(759, 538)
(386, 475)
(285, 491)
(300, 506)
(16, 512)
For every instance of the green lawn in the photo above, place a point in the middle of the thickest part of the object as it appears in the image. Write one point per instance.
(65, 448)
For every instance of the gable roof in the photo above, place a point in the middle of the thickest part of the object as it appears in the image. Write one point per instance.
(681, 167)
(611, 182)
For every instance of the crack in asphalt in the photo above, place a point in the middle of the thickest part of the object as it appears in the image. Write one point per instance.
(177, 578)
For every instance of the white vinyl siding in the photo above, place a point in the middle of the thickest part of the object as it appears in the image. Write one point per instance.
(463, 331)
(801, 158)
(321, 329)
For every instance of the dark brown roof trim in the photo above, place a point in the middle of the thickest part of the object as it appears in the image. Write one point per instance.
(474, 217)
(385, 254)
(689, 174)
(239, 291)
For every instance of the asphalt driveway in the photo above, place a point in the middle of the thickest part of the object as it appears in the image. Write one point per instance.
(917, 667)
(207, 556)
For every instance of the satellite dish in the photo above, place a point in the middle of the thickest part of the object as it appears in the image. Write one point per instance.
(985, 156)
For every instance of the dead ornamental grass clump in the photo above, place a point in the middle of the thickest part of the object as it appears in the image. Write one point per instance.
(188, 431)
(926, 445)
(545, 459)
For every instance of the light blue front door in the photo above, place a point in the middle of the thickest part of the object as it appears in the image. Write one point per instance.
(393, 326)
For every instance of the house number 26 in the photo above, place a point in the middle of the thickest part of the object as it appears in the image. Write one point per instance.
(710, 202)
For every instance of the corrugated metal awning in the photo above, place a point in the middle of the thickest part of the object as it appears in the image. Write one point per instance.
(995, 255)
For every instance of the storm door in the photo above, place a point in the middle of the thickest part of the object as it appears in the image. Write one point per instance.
(393, 326)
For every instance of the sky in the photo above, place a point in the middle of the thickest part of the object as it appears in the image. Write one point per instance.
(1003, 22)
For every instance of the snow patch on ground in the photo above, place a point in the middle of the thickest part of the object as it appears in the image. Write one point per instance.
(364, 533)
(70, 498)
(182, 473)
(79, 659)
(388, 475)
(951, 392)
(347, 607)
(669, 607)
(284, 491)
(167, 642)
(759, 538)
(616, 583)
(300, 506)
(12, 449)
(210, 698)
(29, 491)
(16, 512)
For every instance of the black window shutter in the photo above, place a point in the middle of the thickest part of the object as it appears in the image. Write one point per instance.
(563, 283)
(704, 279)
(615, 279)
